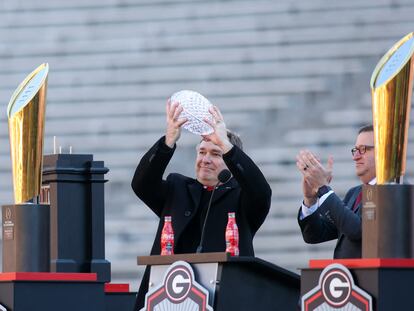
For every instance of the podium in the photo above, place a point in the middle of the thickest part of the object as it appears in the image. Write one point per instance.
(233, 283)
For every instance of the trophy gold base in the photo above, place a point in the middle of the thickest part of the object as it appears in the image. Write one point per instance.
(26, 238)
(388, 221)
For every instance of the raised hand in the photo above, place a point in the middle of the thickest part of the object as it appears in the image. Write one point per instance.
(173, 131)
(219, 135)
(314, 173)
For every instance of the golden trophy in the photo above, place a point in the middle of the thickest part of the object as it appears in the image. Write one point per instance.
(26, 114)
(26, 223)
(391, 88)
(387, 219)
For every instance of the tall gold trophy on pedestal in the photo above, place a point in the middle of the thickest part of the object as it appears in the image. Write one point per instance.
(26, 114)
(26, 223)
(388, 214)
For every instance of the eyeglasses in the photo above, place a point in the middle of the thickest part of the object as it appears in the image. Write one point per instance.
(361, 149)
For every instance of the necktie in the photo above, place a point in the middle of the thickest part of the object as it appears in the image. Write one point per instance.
(357, 201)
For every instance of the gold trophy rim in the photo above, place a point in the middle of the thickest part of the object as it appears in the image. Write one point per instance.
(387, 56)
(23, 84)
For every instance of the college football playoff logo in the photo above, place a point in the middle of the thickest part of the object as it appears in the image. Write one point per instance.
(179, 291)
(336, 290)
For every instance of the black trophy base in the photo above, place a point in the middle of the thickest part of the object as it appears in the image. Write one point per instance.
(26, 238)
(388, 221)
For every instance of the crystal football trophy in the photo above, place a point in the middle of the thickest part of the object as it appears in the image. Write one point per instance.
(387, 216)
(195, 109)
(26, 223)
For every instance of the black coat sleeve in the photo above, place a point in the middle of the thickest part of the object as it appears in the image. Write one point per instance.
(317, 228)
(256, 193)
(330, 219)
(148, 183)
(344, 219)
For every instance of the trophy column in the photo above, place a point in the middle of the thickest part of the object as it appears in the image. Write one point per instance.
(388, 214)
(26, 223)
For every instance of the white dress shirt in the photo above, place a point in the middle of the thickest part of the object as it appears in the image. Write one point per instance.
(306, 211)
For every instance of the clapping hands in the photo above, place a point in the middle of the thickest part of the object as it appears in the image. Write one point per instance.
(314, 174)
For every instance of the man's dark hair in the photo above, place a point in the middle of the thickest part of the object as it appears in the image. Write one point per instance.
(366, 128)
(235, 139)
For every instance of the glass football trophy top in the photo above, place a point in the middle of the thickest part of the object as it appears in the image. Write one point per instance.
(195, 109)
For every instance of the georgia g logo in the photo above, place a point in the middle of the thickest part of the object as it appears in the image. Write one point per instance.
(336, 287)
(179, 291)
(336, 290)
(178, 284)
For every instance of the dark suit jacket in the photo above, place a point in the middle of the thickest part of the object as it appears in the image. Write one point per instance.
(247, 194)
(334, 219)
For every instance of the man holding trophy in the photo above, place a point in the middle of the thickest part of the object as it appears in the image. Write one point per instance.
(188, 200)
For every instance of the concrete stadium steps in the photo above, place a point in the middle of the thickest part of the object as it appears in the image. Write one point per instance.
(150, 114)
(351, 117)
(111, 92)
(280, 173)
(232, 70)
(197, 41)
(287, 190)
(290, 243)
(301, 257)
(124, 124)
(133, 12)
(173, 58)
(328, 136)
(287, 155)
(279, 225)
(344, 24)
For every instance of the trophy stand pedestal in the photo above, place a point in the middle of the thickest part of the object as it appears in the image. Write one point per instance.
(388, 221)
(26, 235)
(75, 184)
